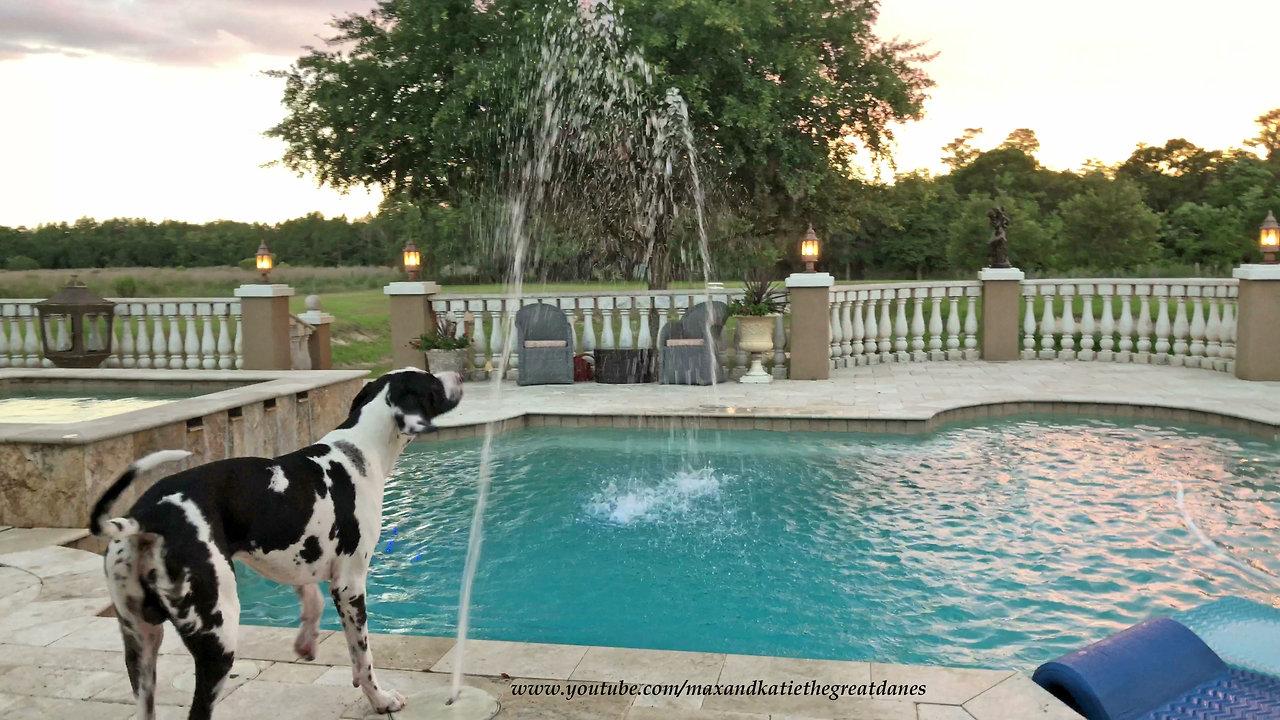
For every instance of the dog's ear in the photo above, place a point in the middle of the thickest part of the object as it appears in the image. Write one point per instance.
(367, 393)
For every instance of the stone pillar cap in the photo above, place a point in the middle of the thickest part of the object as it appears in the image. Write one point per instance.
(990, 273)
(411, 288)
(1256, 272)
(261, 290)
(810, 280)
(315, 317)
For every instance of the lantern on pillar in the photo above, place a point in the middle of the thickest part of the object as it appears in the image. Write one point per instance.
(1269, 239)
(90, 319)
(264, 261)
(412, 260)
(809, 249)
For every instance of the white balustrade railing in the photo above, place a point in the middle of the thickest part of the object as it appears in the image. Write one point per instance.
(618, 320)
(1185, 323)
(904, 322)
(174, 333)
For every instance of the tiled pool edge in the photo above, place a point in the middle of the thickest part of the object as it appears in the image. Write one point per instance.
(61, 657)
(778, 422)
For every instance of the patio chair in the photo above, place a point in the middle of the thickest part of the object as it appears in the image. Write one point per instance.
(544, 339)
(684, 353)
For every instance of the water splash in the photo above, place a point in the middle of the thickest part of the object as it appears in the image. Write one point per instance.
(633, 501)
(588, 124)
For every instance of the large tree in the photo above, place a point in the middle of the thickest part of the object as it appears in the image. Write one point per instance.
(417, 96)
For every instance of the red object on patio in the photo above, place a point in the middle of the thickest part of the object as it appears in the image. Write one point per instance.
(583, 370)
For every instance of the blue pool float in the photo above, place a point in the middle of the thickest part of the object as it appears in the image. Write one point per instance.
(1157, 670)
(1244, 633)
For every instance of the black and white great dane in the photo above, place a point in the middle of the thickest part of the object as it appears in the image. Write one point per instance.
(307, 517)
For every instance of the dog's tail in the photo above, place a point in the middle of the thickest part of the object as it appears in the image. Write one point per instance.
(124, 527)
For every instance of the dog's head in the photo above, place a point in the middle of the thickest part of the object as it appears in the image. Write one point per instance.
(412, 396)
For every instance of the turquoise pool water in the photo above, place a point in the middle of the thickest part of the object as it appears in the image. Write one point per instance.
(996, 545)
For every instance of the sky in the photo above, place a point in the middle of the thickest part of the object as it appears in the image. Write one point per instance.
(156, 108)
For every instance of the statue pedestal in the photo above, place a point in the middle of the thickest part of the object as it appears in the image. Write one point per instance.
(1001, 294)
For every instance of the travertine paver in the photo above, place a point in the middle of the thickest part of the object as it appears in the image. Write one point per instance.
(530, 660)
(1018, 697)
(19, 539)
(610, 664)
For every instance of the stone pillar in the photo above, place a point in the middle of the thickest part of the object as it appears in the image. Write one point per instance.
(318, 346)
(411, 317)
(1257, 339)
(810, 325)
(264, 313)
(1001, 293)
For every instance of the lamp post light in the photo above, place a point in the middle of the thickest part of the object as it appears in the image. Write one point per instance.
(809, 249)
(264, 262)
(412, 260)
(1269, 239)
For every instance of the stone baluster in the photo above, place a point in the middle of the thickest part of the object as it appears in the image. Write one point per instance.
(569, 308)
(857, 328)
(31, 340)
(4, 336)
(1161, 294)
(779, 370)
(954, 352)
(1197, 328)
(588, 305)
(61, 341)
(458, 316)
(238, 347)
(126, 349)
(972, 294)
(1029, 322)
(155, 315)
(1124, 292)
(1047, 324)
(143, 346)
(885, 326)
(836, 329)
(479, 340)
(1067, 323)
(663, 304)
(497, 337)
(208, 345)
(1180, 326)
(1212, 332)
(225, 349)
(626, 341)
(174, 349)
(846, 328)
(873, 329)
(900, 326)
(606, 323)
(937, 296)
(93, 333)
(918, 297)
(191, 339)
(1229, 329)
(1106, 326)
(1087, 326)
(644, 340)
(1141, 292)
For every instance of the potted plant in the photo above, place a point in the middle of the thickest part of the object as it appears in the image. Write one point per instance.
(761, 303)
(446, 350)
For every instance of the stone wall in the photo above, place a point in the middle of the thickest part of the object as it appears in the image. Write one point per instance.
(46, 484)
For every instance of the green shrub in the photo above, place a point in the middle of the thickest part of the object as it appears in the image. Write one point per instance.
(248, 264)
(21, 262)
(125, 287)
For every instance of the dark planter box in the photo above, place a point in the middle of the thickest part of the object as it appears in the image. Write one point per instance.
(624, 366)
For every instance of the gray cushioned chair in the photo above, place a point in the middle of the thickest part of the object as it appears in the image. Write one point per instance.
(686, 356)
(544, 339)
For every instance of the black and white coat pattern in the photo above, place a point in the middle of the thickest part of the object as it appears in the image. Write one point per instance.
(307, 517)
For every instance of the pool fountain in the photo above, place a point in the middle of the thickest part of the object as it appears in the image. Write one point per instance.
(594, 119)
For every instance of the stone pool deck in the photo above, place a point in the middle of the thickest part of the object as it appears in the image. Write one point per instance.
(61, 658)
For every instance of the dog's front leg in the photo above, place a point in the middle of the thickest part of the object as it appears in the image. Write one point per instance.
(349, 599)
(312, 607)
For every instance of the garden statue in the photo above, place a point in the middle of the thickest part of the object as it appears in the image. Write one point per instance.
(999, 245)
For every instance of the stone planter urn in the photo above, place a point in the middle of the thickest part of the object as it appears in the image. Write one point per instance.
(755, 334)
(439, 361)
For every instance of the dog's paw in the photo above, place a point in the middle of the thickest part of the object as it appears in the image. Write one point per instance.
(305, 648)
(388, 701)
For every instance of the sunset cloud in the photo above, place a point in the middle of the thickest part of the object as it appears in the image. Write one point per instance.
(168, 32)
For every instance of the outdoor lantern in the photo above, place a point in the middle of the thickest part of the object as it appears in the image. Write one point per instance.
(809, 249)
(412, 260)
(264, 261)
(87, 345)
(1269, 239)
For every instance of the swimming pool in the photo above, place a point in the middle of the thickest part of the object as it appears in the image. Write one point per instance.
(994, 545)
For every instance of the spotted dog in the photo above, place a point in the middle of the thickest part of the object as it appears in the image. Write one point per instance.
(307, 517)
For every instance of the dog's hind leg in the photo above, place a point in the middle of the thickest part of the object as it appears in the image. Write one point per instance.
(349, 599)
(312, 607)
(214, 650)
(141, 623)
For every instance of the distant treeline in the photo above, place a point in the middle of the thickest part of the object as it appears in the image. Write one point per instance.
(1174, 206)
